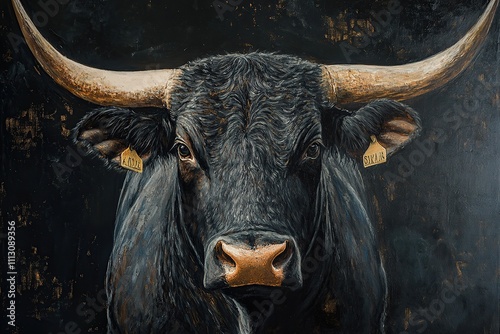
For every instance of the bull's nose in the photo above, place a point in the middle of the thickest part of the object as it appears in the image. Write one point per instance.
(261, 265)
(256, 258)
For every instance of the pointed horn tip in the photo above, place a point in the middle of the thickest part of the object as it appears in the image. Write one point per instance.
(102, 87)
(344, 84)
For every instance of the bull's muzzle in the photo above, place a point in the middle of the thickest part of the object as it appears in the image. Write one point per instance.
(252, 259)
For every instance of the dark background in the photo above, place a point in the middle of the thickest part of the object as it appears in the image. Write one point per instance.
(436, 205)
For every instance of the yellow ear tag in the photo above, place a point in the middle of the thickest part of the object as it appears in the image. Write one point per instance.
(129, 159)
(375, 154)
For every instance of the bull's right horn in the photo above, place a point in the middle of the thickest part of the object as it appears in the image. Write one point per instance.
(116, 88)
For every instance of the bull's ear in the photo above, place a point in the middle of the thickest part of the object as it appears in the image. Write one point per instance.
(107, 132)
(393, 124)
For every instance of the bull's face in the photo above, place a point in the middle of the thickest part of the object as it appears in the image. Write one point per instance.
(248, 150)
(248, 132)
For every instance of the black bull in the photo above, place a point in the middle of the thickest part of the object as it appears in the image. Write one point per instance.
(251, 206)
(259, 169)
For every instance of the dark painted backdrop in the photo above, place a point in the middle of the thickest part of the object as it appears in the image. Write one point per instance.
(436, 205)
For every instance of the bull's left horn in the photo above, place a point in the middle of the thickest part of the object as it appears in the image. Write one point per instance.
(117, 88)
(362, 83)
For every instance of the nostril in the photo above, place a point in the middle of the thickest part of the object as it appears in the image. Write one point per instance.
(282, 258)
(237, 263)
(222, 256)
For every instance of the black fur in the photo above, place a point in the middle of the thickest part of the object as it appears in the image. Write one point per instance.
(250, 120)
(152, 274)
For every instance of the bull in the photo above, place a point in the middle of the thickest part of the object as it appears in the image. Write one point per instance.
(250, 215)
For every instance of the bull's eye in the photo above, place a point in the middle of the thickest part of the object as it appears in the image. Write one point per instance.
(312, 151)
(184, 152)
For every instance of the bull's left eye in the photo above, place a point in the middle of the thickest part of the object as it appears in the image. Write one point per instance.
(312, 151)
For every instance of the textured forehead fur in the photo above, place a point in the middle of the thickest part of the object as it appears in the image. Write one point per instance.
(268, 100)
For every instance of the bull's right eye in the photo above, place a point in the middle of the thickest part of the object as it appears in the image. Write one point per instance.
(184, 152)
(188, 165)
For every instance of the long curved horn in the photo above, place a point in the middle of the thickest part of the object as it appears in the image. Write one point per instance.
(362, 83)
(117, 88)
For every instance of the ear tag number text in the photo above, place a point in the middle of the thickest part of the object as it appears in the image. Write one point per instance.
(129, 159)
(375, 154)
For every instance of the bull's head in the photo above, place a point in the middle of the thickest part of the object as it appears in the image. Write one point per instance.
(251, 135)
